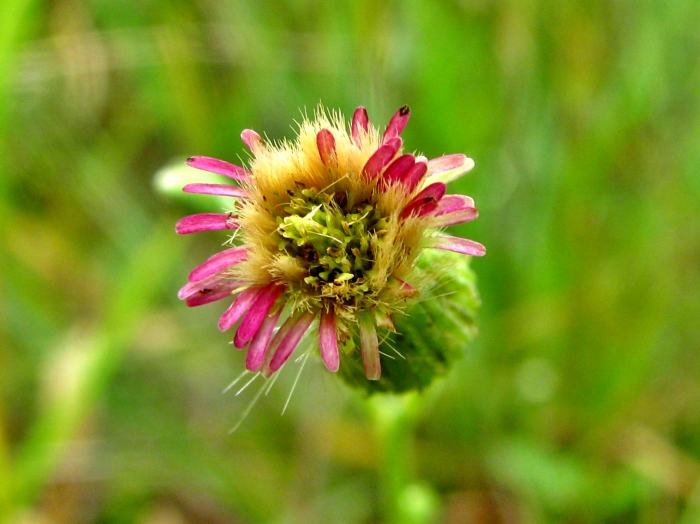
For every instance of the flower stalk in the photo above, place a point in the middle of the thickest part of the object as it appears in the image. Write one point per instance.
(403, 499)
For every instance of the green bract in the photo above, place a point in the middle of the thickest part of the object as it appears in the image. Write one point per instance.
(432, 335)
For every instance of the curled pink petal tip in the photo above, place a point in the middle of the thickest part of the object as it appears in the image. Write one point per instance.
(251, 139)
(453, 210)
(360, 125)
(326, 147)
(449, 167)
(396, 124)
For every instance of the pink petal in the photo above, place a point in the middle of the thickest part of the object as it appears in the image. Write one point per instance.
(360, 125)
(259, 344)
(216, 189)
(434, 191)
(397, 169)
(256, 314)
(426, 199)
(274, 344)
(455, 209)
(381, 158)
(291, 340)
(206, 222)
(449, 167)
(427, 208)
(414, 176)
(236, 310)
(459, 245)
(370, 347)
(456, 217)
(195, 287)
(214, 165)
(219, 262)
(396, 124)
(446, 163)
(251, 139)
(211, 294)
(328, 341)
(450, 203)
(326, 147)
(396, 142)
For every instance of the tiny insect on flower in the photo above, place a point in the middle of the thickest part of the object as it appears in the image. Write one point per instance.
(327, 228)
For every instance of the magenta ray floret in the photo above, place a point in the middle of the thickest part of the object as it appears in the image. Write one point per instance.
(254, 317)
(238, 308)
(397, 170)
(360, 125)
(251, 139)
(425, 201)
(396, 124)
(206, 222)
(326, 147)
(216, 189)
(205, 295)
(217, 263)
(414, 176)
(328, 341)
(291, 340)
(380, 159)
(256, 351)
(220, 167)
(459, 245)
(455, 209)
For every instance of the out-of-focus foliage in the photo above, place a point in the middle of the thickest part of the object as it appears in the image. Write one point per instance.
(580, 400)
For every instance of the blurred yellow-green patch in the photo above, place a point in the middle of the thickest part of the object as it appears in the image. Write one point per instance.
(579, 401)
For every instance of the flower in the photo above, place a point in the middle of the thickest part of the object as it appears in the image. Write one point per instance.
(330, 227)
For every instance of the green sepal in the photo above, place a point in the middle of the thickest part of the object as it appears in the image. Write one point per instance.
(432, 334)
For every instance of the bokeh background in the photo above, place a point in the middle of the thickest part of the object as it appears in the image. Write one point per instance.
(578, 403)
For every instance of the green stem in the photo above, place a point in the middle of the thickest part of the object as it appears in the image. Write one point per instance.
(403, 500)
(392, 430)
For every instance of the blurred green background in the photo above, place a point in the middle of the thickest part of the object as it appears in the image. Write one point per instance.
(580, 400)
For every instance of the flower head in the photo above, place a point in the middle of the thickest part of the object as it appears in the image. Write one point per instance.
(327, 228)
